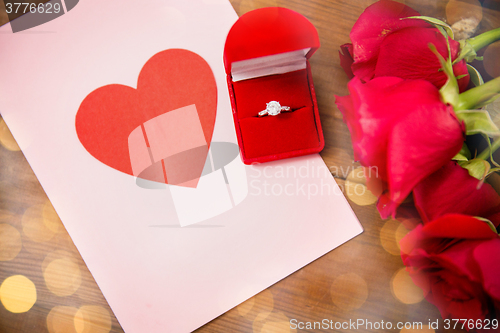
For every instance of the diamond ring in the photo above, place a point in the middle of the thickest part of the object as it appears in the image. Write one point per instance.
(273, 108)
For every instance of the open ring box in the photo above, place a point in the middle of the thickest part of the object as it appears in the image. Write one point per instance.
(266, 59)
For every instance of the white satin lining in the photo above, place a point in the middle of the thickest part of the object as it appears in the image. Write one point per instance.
(269, 65)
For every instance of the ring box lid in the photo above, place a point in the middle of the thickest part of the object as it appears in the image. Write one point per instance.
(268, 31)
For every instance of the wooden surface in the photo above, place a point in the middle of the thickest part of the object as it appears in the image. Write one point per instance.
(363, 279)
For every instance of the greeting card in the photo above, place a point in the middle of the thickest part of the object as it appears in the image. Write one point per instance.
(122, 110)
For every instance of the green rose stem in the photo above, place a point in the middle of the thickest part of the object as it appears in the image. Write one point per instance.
(469, 47)
(489, 151)
(484, 39)
(479, 96)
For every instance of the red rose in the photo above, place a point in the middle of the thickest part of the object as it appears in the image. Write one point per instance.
(385, 45)
(454, 259)
(452, 190)
(402, 130)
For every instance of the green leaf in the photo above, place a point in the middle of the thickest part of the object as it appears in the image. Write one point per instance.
(475, 76)
(478, 169)
(478, 122)
(463, 154)
(465, 151)
(488, 222)
(490, 150)
(449, 91)
(492, 171)
(442, 26)
(460, 157)
(467, 52)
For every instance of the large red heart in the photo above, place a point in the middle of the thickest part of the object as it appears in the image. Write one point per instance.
(171, 80)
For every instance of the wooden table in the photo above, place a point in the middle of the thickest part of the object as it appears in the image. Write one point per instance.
(363, 279)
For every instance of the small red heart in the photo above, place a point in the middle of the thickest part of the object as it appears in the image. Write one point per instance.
(170, 80)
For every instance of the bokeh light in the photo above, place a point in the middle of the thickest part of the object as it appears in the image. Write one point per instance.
(464, 16)
(401, 231)
(92, 319)
(10, 242)
(50, 217)
(39, 224)
(61, 319)
(62, 277)
(388, 237)
(356, 190)
(18, 294)
(61, 273)
(404, 289)
(257, 307)
(349, 291)
(276, 322)
(490, 61)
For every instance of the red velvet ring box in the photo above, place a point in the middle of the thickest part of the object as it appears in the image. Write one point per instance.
(266, 59)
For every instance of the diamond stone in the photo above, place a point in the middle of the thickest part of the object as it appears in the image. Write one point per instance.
(273, 108)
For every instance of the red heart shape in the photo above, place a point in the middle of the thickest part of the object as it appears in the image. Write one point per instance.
(169, 80)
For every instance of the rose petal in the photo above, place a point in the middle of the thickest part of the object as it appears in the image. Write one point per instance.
(374, 121)
(452, 190)
(449, 290)
(365, 145)
(376, 22)
(385, 206)
(451, 227)
(487, 256)
(459, 69)
(427, 137)
(457, 297)
(409, 242)
(346, 59)
(459, 257)
(406, 54)
(458, 226)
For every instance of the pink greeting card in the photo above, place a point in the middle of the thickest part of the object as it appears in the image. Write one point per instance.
(122, 110)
